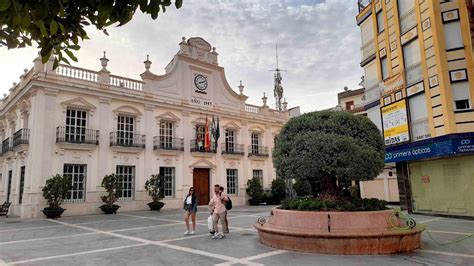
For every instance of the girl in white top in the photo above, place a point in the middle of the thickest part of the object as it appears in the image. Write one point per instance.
(190, 206)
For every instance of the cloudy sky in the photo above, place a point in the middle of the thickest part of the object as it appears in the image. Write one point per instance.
(318, 43)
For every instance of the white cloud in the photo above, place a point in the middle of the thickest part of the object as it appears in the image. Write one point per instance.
(318, 46)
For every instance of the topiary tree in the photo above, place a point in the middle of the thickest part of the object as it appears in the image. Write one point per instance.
(302, 187)
(329, 146)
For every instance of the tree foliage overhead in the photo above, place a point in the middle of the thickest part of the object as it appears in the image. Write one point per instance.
(59, 26)
(329, 146)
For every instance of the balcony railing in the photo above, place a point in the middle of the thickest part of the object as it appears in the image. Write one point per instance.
(126, 139)
(168, 143)
(236, 149)
(367, 50)
(258, 151)
(77, 135)
(20, 137)
(413, 74)
(199, 146)
(363, 4)
(407, 21)
(7, 146)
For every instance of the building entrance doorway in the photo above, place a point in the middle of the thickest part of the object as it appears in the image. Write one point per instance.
(201, 185)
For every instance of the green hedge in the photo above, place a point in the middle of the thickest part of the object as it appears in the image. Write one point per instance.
(316, 204)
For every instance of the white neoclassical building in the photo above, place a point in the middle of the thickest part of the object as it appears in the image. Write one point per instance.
(86, 124)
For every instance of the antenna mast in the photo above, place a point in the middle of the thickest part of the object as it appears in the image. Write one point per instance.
(277, 87)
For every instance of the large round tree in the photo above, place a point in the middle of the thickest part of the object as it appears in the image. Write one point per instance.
(329, 148)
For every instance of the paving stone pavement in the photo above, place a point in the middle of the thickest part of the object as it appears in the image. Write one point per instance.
(156, 238)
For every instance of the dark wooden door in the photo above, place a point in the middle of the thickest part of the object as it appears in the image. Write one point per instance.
(201, 185)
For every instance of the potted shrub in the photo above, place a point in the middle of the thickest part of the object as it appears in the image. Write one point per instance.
(55, 191)
(255, 191)
(155, 186)
(112, 186)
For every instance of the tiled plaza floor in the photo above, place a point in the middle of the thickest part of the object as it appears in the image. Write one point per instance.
(156, 238)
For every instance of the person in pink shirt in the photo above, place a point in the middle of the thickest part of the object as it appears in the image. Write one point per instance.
(218, 211)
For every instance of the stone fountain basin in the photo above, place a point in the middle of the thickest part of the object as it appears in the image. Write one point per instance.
(351, 233)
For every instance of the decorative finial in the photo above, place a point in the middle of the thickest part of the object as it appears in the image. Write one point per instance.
(25, 70)
(346, 88)
(214, 50)
(264, 99)
(147, 63)
(14, 84)
(241, 88)
(183, 40)
(103, 62)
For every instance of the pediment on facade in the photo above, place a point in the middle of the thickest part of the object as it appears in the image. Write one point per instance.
(202, 163)
(128, 110)
(256, 129)
(231, 125)
(200, 43)
(169, 116)
(78, 102)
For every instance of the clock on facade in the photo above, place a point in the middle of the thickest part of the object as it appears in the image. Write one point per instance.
(201, 82)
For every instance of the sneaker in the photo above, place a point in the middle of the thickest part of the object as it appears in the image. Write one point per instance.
(221, 236)
(186, 233)
(215, 236)
(192, 233)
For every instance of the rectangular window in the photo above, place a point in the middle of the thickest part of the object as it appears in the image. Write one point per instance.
(127, 178)
(200, 135)
(461, 96)
(229, 140)
(419, 117)
(404, 6)
(125, 130)
(452, 35)
(367, 31)
(77, 174)
(166, 134)
(350, 105)
(258, 174)
(76, 123)
(380, 22)
(169, 174)
(22, 184)
(9, 187)
(255, 141)
(384, 68)
(412, 61)
(232, 181)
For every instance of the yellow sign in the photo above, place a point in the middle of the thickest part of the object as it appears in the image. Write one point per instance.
(395, 123)
(393, 84)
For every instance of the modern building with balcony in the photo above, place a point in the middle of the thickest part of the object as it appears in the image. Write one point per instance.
(419, 88)
(86, 124)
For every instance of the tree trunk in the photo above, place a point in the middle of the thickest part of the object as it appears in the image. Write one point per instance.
(329, 187)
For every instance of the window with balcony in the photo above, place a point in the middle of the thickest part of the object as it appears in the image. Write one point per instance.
(230, 140)
(232, 181)
(461, 96)
(77, 174)
(76, 123)
(255, 142)
(380, 22)
(453, 35)
(126, 175)
(125, 130)
(169, 175)
(166, 134)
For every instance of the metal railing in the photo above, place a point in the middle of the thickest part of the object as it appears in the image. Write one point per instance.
(77, 73)
(258, 151)
(168, 143)
(22, 136)
(229, 148)
(413, 74)
(407, 21)
(77, 135)
(7, 146)
(126, 139)
(367, 50)
(199, 146)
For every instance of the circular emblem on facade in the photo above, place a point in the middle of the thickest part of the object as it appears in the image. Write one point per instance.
(200, 82)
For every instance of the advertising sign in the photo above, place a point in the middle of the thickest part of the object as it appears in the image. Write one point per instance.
(393, 84)
(395, 123)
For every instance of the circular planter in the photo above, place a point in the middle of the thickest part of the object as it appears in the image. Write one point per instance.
(354, 233)
(109, 209)
(53, 213)
(156, 206)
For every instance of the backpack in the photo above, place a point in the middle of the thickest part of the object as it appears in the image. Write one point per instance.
(228, 204)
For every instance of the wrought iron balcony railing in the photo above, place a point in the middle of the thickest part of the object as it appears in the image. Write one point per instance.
(76, 135)
(255, 150)
(127, 139)
(229, 148)
(20, 137)
(7, 146)
(199, 146)
(168, 143)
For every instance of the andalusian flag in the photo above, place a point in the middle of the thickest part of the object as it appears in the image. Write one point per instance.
(207, 137)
